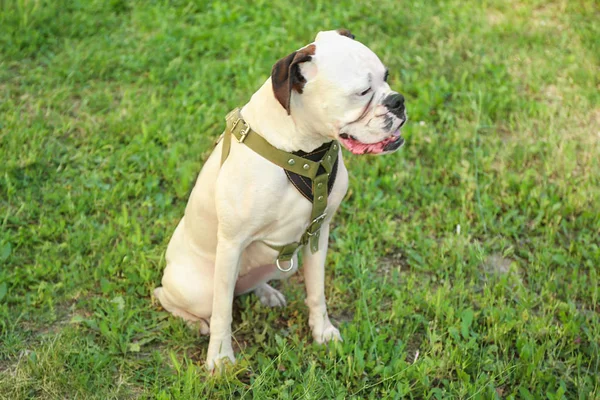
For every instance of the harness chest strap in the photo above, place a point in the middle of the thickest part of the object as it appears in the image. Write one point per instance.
(238, 128)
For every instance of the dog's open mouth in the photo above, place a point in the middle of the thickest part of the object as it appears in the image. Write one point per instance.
(390, 143)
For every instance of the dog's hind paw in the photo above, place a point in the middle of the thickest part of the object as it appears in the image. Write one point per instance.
(202, 326)
(270, 296)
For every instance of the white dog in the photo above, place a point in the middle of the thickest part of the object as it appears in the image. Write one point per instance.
(243, 208)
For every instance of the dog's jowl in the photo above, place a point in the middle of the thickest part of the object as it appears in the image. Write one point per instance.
(273, 183)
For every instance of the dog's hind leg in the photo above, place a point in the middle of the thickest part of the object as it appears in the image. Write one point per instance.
(193, 321)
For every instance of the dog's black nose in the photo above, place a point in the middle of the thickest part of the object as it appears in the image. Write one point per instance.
(395, 103)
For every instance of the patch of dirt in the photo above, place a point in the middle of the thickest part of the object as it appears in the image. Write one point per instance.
(495, 17)
(36, 331)
(342, 317)
(496, 264)
(413, 346)
(594, 122)
(64, 312)
(394, 261)
(397, 261)
(547, 16)
(552, 94)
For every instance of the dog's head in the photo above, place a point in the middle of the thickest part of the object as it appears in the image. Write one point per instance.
(337, 86)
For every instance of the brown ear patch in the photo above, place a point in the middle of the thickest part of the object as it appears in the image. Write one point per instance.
(286, 75)
(345, 32)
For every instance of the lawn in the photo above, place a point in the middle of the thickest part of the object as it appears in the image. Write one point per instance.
(466, 265)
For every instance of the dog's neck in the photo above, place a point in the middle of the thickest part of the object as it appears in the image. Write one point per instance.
(276, 126)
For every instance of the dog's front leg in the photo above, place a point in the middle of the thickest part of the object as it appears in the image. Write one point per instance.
(227, 266)
(314, 279)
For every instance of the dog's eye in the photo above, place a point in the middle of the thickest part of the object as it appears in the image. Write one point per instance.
(365, 92)
(387, 74)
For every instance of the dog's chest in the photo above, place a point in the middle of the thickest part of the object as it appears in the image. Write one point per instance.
(290, 214)
(257, 201)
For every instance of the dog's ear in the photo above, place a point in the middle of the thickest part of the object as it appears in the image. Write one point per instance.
(346, 32)
(286, 75)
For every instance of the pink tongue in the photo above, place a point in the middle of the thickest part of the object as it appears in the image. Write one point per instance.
(363, 148)
(357, 147)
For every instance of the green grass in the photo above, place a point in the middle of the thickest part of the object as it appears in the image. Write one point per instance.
(108, 108)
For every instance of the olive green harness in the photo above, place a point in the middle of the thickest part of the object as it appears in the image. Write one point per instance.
(236, 126)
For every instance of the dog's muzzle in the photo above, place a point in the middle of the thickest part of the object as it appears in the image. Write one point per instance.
(395, 105)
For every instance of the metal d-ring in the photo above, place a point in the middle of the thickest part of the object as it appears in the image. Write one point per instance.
(285, 270)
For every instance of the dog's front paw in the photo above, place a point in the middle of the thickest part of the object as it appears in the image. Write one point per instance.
(328, 334)
(216, 360)
(324, 332)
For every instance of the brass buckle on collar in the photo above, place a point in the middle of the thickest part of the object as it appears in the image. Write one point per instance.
(314, 222)
(244, 132)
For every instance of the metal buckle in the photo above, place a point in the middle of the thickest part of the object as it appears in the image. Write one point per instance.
(315, 221)
(244, 132)
(285, 270)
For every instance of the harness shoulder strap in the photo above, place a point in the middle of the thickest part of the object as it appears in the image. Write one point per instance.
(237, 127)
(227, 136)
